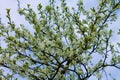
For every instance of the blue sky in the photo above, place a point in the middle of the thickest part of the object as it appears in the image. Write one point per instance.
(12, 4)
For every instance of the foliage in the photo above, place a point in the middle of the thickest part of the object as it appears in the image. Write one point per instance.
(62, 46)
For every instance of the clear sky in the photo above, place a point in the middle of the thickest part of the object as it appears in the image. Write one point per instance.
(12, 4)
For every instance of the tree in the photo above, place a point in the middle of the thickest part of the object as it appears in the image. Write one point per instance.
(62, 46)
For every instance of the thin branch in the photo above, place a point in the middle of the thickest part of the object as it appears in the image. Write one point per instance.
(55, 73)
(18, 4)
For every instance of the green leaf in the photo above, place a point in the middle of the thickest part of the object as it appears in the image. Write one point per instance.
(8, 11)
(48, 8)
(39, 6)
(119, 32)
(98, 75)
(60, 43)
(93, 10)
